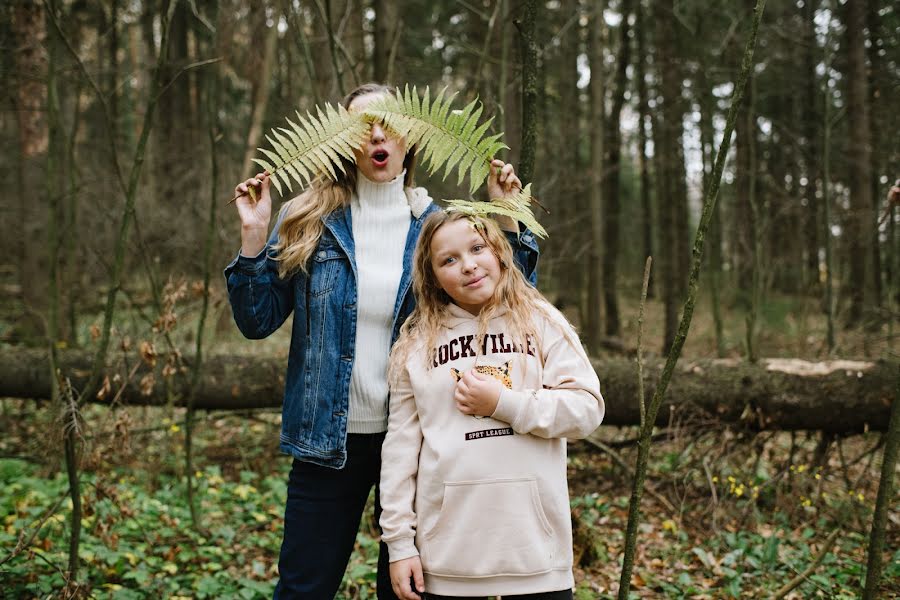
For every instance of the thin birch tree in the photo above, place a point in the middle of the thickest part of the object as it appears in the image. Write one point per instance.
(637, 489)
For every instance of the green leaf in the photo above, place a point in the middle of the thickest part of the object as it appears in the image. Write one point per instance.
(516, 207)
(314, 146)
(445, 140)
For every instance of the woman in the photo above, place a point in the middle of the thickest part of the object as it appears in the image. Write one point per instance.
(340, 257)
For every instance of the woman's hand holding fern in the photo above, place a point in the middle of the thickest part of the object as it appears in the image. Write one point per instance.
(254, 204)
(503, 182)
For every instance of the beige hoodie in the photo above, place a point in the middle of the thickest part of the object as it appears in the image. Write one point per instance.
(484, 501)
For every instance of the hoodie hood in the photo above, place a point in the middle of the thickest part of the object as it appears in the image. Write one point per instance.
(456, 316)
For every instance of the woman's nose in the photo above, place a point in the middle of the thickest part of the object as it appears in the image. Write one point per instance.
(376, 136)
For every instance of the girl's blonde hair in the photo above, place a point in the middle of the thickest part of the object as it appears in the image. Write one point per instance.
(420, 331)
(301, 223)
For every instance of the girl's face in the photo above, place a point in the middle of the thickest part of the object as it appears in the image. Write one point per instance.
(381, 156)
(464, 265)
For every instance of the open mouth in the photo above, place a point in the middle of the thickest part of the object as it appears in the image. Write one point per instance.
(380, 158)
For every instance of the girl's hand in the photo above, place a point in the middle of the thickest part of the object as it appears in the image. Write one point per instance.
(502, 180)
(255, 214)
(404, 570)
(477, 394)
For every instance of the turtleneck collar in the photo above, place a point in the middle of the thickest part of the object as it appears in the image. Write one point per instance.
(389, 193)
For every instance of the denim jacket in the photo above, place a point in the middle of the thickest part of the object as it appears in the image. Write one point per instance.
(320, 360)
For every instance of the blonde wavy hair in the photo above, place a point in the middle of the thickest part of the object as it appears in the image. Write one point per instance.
(301, 218)
(421, 330)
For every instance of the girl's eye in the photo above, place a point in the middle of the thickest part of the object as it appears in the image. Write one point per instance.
(448, 260)
(477, 248)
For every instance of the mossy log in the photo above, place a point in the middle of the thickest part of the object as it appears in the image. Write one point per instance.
(839, 396)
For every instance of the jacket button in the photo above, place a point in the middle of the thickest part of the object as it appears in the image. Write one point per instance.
(321, 254)
(527, 238)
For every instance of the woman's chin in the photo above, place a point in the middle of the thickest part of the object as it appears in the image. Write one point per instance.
(381, 175)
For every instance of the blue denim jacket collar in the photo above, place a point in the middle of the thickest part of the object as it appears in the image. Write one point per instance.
(340, 224)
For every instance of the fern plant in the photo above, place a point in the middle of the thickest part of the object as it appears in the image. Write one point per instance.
(516, 207)
(313, 146)
(446, 138)
(319, 145)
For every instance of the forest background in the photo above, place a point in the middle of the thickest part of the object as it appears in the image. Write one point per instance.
(153, 469)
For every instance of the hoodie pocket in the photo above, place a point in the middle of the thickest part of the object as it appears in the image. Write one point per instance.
(489, 528)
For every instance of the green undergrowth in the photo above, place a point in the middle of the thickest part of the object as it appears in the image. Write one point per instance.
(757, 531)
(139, 543)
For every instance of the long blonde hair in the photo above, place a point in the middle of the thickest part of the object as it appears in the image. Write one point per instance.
(301, 219)
(420, 331)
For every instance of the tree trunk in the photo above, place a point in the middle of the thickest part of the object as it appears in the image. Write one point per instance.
(510, 93)
(840, 396)
(30, 97)
(172, 140)
(809, 119)
(859, 218)
(54, 186)
(386, 19)
(877, 95)
(528, 44)
(826, 195)
(297, 31)
(682, 233)
(884, 500)
(611, 196)
(260, 102)
(326, 83)
(112, 79)
(707, 103)
(742, 221)
(594, 323)
(354, 40)
(570, 185)
(668, 168)
(643, 121)
(756, 225)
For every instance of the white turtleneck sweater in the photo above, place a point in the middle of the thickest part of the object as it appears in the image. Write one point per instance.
(380, 215)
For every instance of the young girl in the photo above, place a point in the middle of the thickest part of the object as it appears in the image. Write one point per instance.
(487, 381)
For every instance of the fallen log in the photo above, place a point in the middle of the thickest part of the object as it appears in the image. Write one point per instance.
(838, 396)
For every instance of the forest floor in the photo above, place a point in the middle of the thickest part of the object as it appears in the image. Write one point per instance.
(727, 514)
(731, 515)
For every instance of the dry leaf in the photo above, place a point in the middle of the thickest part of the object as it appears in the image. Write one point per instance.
(146, 384)
(105, 389)
(148, 353)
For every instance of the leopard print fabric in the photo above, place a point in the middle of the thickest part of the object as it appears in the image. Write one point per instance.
(501, 373)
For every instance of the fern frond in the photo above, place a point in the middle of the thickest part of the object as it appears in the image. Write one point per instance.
(313, 146)
(319, 145)
(517, 207)
(444, 139)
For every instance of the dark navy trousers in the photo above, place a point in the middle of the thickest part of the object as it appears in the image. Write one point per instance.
(321, 518)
